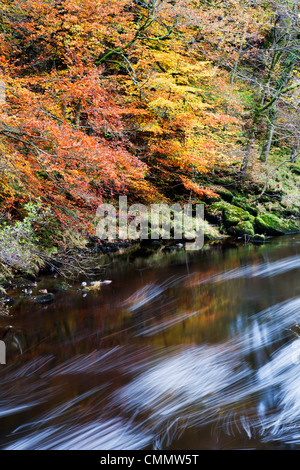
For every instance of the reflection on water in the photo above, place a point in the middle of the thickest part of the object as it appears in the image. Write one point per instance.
(181, 351)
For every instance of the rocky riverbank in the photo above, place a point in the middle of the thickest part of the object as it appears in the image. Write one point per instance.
(238, 213)
(245, 209)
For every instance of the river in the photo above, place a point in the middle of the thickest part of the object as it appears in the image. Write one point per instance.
(182, 350)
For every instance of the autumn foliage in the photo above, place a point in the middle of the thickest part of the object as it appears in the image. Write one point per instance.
(113, 97)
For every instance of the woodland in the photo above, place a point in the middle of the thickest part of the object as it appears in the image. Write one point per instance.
(159, 100)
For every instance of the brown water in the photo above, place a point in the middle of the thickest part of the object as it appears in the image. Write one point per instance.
(180, 351)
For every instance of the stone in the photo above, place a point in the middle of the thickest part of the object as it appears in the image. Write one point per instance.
(270, 224)
(244, 227)
(258, 238)
(234, 215)
(41, 299)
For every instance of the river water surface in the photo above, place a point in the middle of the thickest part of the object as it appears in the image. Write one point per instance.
(181, 351)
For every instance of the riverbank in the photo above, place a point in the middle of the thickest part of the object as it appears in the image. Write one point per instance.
(88, 268)
(225, 224)
(236, 211)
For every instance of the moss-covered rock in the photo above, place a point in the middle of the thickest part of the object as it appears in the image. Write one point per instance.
(226, 214)
(270, 224)
(224, 193)
(258, 238)
(234, 215)
(42, 299)
(268, 218)
(245, 227)
(214, 212)
(242, 202)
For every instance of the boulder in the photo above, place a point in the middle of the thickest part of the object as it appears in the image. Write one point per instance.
(44, 298)
(234, 215)
(224, 193)
(258, 238)
(270, 224)
(244, 227)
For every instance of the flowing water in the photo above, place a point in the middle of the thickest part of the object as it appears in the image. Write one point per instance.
(181, 351)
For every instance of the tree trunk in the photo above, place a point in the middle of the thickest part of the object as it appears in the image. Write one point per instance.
(270, 134)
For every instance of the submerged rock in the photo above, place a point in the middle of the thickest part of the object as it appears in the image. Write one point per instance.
(95, 285)
(62, 286)
(258, 238)
(44, 298)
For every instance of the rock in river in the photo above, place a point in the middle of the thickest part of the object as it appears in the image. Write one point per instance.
(44, 298)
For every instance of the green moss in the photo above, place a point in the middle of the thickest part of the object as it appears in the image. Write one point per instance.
(258, 238)
(214, 212)
(271, 224)
(245, 227)
(227, 214)
(269, 215)
(242, 228)
(233, 215)
(242, 202)
(224, 193)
